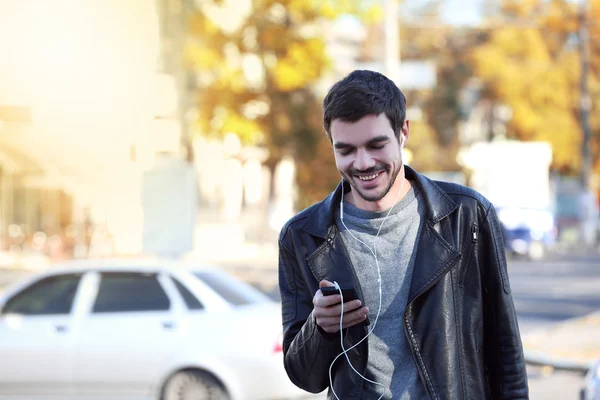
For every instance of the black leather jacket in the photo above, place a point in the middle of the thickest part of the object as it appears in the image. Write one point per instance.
(460, 319)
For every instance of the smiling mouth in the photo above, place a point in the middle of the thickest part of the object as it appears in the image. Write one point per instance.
(368, 177)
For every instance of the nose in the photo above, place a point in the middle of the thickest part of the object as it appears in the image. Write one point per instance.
(363, 160)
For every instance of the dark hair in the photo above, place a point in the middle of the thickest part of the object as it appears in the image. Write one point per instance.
(363, 93)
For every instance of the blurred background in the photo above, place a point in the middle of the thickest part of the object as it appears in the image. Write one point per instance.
(191, 130)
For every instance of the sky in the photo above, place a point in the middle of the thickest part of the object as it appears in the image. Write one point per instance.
(462, 12)
(455, 12)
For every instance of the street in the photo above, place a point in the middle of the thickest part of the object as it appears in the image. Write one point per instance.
(553, 291)
(549, 292)
(544, 292)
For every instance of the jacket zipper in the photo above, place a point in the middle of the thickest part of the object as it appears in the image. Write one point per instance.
(474, 237)
(414, 345)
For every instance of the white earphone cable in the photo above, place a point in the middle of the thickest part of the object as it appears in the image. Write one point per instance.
(374, 252)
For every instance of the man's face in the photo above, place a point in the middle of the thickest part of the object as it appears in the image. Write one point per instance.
(369, 157)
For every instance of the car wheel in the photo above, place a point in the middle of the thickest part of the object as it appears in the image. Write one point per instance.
(193, 385)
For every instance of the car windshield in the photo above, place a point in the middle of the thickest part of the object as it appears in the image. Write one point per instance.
(231, 289)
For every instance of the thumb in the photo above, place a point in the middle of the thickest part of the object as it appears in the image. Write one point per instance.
(324, 283)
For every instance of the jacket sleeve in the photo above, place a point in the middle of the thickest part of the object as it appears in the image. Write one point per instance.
(503, 352)
(308, 350)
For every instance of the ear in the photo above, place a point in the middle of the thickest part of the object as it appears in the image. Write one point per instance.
(404, 132)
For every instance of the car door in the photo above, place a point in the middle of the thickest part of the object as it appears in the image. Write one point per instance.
(127, 336)
(37, 335)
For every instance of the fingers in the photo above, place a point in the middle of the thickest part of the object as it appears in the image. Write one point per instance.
(332, 324)
(328, 317)
(328, 309)
(326, 301)
(356, 318)
(324, 308)
(325, 282)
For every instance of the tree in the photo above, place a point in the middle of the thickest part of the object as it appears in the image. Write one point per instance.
(257, 79)
(448, 47)
(424, 36)
(532, 64)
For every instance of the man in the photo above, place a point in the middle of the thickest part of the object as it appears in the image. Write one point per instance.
(425, 258)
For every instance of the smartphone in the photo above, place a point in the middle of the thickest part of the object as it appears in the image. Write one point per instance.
(349, 294)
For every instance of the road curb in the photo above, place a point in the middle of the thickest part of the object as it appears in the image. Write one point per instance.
(560, 346)
(540, 358)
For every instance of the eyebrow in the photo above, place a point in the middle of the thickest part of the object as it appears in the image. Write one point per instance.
(376, 139)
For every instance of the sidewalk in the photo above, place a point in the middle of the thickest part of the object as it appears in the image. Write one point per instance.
(572, 344)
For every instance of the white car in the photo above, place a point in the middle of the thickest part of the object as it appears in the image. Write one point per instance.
(157, 331)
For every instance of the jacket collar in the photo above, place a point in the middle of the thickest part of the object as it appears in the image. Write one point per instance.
(438, 204)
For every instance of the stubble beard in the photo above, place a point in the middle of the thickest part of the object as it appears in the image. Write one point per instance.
(377, 196)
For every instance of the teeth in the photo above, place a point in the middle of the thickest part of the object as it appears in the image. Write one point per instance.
(368, 178)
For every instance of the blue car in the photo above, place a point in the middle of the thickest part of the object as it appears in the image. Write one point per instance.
(591, 390)
(527, 232)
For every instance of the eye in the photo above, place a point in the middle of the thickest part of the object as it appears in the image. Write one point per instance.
(378, 146)
(345, 152)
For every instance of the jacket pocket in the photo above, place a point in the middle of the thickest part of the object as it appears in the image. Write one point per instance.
(471, 244)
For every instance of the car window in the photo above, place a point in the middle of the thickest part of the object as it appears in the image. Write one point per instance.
(231, 289)
(49, 296)
(190, 299)
(128, 292)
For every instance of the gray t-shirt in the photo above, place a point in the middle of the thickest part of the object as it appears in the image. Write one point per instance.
(390, 360)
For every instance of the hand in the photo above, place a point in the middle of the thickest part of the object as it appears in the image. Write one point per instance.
(328, 309)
